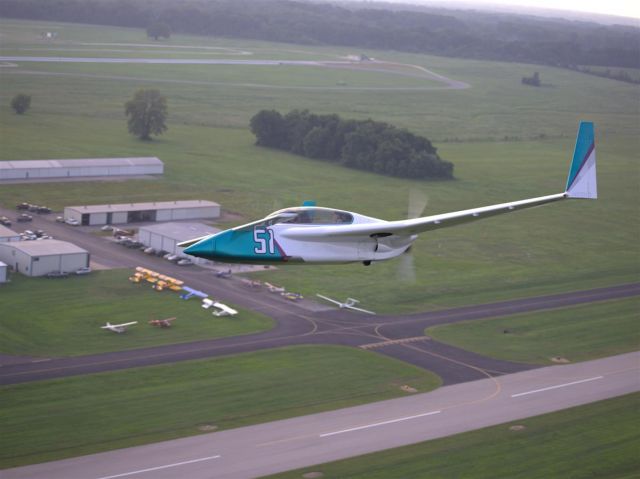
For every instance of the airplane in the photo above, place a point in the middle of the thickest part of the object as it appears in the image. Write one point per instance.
(316, 235)
(348, 304)
(223, 310)
(220, 308)
(162, 323)
(118, 328)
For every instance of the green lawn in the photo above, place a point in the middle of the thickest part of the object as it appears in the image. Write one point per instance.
(49, 420)
(508, 142)
(599, 440)
(44, 317)
(577, 333)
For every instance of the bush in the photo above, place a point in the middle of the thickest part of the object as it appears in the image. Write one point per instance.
(21, 103)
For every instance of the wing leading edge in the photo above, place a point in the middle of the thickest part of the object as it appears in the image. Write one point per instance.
(581, 183)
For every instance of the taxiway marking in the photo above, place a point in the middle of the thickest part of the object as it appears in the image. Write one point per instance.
(557, 386)
(379, 424)
(167, 466)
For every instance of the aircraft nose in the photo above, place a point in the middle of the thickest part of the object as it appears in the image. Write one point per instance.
(202, 249)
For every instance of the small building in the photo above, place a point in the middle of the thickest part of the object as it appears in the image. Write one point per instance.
(7, 234)
(96, 167)
(166, 236)
(142, 212)
(3, 273)
(38, 258)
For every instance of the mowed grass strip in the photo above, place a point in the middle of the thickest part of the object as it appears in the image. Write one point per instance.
(576, 334)
(596, 440)
(54, 419)
(62, 317)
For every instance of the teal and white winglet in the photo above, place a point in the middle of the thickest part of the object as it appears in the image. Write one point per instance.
(312, 234)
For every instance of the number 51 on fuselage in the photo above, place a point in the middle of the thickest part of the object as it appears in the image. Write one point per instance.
(310, 234)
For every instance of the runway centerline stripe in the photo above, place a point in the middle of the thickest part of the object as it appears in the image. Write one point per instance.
(556, 387)
(125, 474)
(379, 423)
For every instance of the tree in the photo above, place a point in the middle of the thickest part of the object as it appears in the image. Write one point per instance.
(147, 112)
(158, 29)
(21, 103)
(269, 128)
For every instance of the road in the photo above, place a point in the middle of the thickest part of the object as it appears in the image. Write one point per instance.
(304, 441)
(411, 71)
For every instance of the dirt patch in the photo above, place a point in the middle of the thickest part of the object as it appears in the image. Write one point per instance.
(408, 389)
(207, 428)
(517, 427)
(560, 360)
(312, 475)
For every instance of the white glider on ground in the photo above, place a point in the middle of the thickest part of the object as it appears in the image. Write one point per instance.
(350, 303)
(118, 328)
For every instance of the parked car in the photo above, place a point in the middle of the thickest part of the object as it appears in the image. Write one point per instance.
(161, 253)
(172, 257)
(85, 270)
(43, 210)
(22, 206)
(149, 250)
(33, 208)
(72, 221)
(60, 219)
(24, 218)
(184, 262)
(5, 221)
(107, 228)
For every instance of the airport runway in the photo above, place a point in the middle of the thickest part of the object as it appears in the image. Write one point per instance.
(368, 66)
(304, 441)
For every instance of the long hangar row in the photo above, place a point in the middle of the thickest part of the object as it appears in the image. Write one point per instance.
(91, 215)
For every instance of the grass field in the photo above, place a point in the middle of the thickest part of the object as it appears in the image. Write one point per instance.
(597, 440)
(576, 334)
(44, 317)
(50, 420)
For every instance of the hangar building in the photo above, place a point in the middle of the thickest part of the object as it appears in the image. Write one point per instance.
(37, 258)
(8, 235)
(166, 236)
(3, 272)
(56, 169)
(142, 212)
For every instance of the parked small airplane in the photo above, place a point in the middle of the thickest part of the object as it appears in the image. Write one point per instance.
(311, 234)
(118, 328)
(220, 308)
(162, 323)
(348, 304)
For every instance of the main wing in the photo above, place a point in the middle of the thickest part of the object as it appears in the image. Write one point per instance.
(581, 183)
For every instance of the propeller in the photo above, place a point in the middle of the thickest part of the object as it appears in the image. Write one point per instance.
(417, 203)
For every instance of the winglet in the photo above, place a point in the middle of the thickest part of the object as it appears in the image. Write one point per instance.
(581, 182)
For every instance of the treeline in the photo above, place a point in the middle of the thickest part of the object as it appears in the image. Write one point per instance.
(619, 75)
(362, 144)
(457, 33)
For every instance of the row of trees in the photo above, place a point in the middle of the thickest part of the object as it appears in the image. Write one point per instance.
(363, 144)
(459, 33)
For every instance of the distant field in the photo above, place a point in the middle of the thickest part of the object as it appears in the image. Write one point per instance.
(44, 317)
(576, 334)
(597, 440)
(50, 420)
(508, 142)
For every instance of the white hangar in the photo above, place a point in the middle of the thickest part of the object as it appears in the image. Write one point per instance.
(7, 234)
(142, 212)
(38, 258)
(166, 236)
(56, 169)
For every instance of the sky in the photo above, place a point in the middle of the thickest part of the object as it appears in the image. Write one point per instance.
(623, 8)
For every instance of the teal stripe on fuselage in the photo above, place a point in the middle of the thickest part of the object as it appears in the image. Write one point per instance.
(584, 145)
